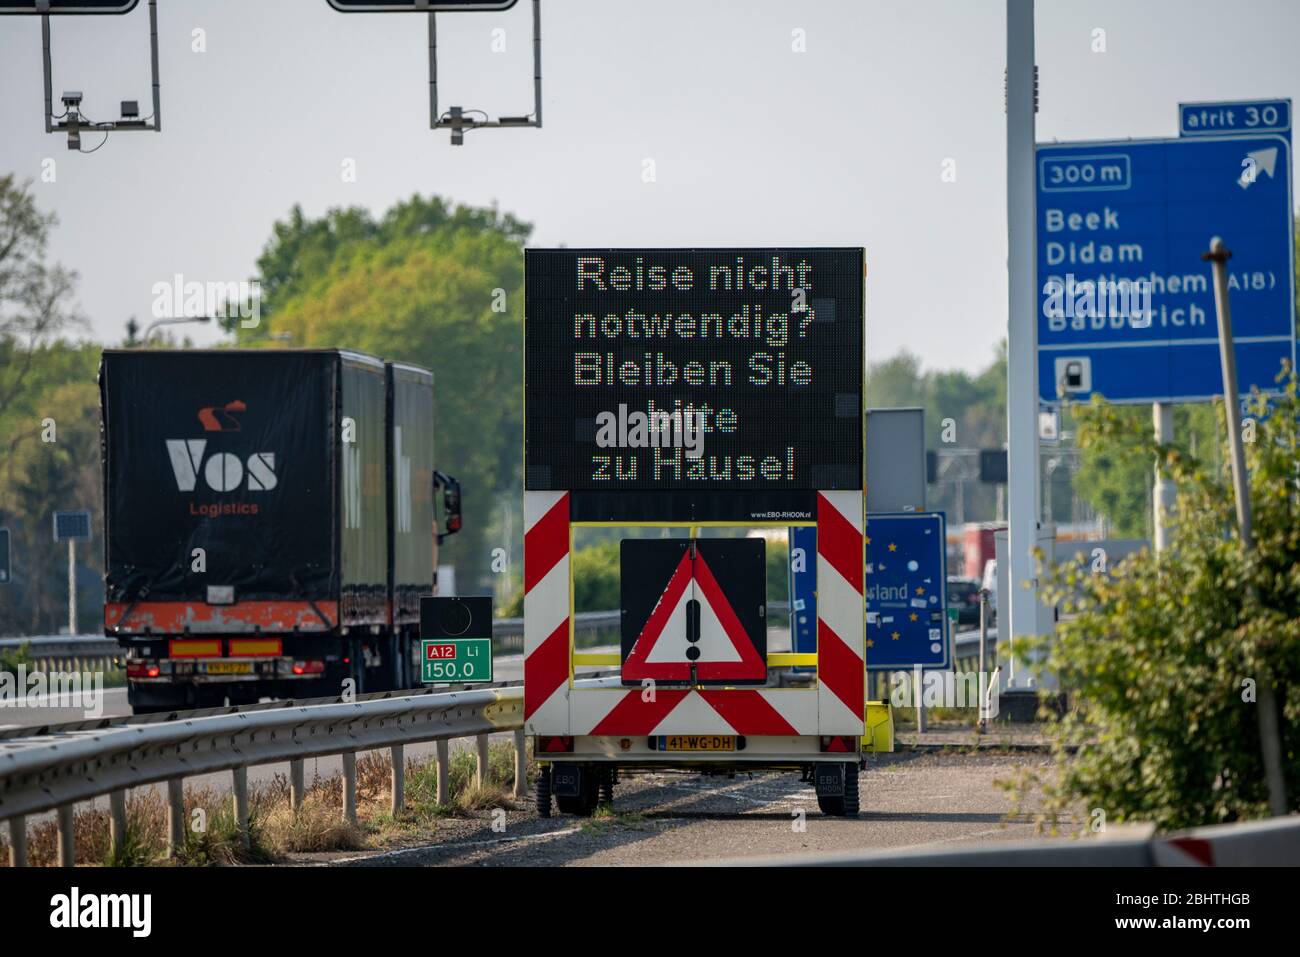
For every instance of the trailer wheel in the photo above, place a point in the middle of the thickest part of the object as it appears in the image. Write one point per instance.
(606, 777)
(851, 789)
(544, 791)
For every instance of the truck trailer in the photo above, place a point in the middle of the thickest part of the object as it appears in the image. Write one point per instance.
(269, 522)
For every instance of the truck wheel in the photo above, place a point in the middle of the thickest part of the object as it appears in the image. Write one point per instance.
(544, 791)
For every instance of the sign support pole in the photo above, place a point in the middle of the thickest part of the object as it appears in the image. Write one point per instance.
(1162, 416)
(1270, 741)
(72, 587)
(1022, 330)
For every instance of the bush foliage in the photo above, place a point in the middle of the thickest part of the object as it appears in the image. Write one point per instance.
(1163, 653)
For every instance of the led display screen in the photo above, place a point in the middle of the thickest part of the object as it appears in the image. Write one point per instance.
(693, 369)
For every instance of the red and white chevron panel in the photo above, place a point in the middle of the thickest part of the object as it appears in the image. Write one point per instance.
(748, 711)
(546, 612)
(835, 706)
(841, 614)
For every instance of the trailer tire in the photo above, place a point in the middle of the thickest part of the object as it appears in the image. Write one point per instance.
(606, 779)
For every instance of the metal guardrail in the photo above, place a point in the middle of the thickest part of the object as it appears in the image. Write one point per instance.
(56, 771)
(56, 766)
(54, 653)
(158, 717)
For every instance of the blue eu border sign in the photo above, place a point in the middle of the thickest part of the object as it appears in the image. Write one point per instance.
(907, 591)
(1130, 211)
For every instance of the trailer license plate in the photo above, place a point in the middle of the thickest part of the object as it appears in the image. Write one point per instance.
(699, 742)
(230, 668)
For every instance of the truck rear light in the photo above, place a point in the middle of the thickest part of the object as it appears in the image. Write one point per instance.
(308, 667)
(143, 669)
(554, 744)
(839, 744)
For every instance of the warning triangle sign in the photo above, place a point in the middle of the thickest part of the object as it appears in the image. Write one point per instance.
(693, 633)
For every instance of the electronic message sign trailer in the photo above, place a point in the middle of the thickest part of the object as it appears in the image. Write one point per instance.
(693, 388)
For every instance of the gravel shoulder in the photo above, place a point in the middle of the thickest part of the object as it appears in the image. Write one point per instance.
(909, 800)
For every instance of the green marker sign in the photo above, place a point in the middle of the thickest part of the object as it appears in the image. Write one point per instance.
(457, 661)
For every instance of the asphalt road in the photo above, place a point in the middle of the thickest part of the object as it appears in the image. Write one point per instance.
(54, 709)
(909, 800)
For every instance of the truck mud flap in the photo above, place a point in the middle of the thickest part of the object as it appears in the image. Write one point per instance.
(566, 780)
(828, 780)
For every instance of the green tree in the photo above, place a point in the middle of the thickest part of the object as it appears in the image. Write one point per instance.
(36, 370)
(1163, 653)
(433, 284)
(34, 295)
(58, 469)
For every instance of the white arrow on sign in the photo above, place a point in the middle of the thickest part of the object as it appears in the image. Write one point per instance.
(1256, 162)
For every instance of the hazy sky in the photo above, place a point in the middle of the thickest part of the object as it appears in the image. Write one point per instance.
(752, 143)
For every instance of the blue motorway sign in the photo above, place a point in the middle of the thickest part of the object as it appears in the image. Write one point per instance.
(1126, 305)
(907, 586)
(1249, 116)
